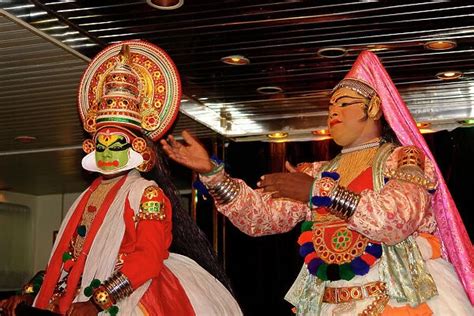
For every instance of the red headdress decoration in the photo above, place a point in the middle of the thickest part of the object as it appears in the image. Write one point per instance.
(457, 246)
(132, 85)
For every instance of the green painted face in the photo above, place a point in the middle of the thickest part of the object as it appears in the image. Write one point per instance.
(111, 152)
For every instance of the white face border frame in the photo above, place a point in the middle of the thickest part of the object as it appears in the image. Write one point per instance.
(89, 163)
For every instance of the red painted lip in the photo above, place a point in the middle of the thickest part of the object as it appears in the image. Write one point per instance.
(114, 163)
(334, 122)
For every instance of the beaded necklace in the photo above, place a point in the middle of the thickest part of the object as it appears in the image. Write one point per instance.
(362, 146)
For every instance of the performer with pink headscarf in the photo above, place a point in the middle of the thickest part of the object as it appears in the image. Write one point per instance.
(381, 234)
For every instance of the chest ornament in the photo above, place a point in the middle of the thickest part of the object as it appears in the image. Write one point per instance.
(332, 251)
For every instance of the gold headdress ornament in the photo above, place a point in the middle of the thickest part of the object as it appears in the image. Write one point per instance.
(132, 85)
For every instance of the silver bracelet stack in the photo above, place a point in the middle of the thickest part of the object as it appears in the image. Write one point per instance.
(225, 191)
(118, 286)
(344, 202)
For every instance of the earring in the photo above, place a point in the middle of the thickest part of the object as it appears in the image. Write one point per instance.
(374, 110)
(149, 160)
(88, 146)
(139, 145)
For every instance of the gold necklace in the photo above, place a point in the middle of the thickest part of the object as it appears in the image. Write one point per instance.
(353, 163)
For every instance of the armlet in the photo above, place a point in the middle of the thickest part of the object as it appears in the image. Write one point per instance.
(410, 168)
(152, 205)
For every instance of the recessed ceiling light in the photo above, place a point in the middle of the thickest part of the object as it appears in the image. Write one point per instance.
(237, 60)
(269, 90)
(423, 125)
(377, 48)
(321, 132)
(440, 45)
(332, 52)
(277, 135)
(24, 139)
(449, 75)
(165, 4)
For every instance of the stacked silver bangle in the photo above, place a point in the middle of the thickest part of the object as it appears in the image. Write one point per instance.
(118, 286)
(225, 191)
(344, 202)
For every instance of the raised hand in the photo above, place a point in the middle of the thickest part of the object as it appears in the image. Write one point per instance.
(294, 185)
(190, 153)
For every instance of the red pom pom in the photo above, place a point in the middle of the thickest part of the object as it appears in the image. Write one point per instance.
(305, 237)
(310, 257)
(368, 258)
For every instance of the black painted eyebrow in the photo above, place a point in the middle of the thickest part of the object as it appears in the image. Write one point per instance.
(346, 96)
(122, 141)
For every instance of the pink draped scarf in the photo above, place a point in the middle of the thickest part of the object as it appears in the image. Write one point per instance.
(457, 245)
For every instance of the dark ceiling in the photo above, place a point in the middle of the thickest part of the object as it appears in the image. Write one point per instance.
(283, 41)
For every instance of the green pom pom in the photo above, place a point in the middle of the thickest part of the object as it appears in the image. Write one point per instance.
(323, 272)
(308, 225)
(95, 283)
(66, 256)
(113, 310)
(346, 272)
(88, 291)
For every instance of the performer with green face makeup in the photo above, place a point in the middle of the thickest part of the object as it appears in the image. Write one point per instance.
(112, 250)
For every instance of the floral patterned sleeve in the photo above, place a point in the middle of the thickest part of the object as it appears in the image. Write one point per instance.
(400, 209)
(256, 213)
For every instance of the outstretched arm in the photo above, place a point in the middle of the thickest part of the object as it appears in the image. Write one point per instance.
(280, 203)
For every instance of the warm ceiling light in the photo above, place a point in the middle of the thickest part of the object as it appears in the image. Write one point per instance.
(24, 139)
(377, 48)
(449, 75)
(440, 45)
(278, 135)
(423, 125)
(269, 90)
(321, 132)
(426, 131)
(165, 4)
(237, 60)
(332, 52)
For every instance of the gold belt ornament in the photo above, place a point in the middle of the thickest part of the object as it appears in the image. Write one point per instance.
(336, 295)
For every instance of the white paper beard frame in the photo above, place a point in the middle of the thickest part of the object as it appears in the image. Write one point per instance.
(134, 160)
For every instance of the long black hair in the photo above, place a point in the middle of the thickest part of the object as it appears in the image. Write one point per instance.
(188, 239)
(388, 135)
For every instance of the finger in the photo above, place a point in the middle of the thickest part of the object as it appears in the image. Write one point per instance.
(269, 188)
(163, 142)
(166, 147)
(188, 138)
(172, 142)
(290, 167)
(272, 178)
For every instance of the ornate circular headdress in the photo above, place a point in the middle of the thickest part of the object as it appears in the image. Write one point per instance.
(132, 84)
